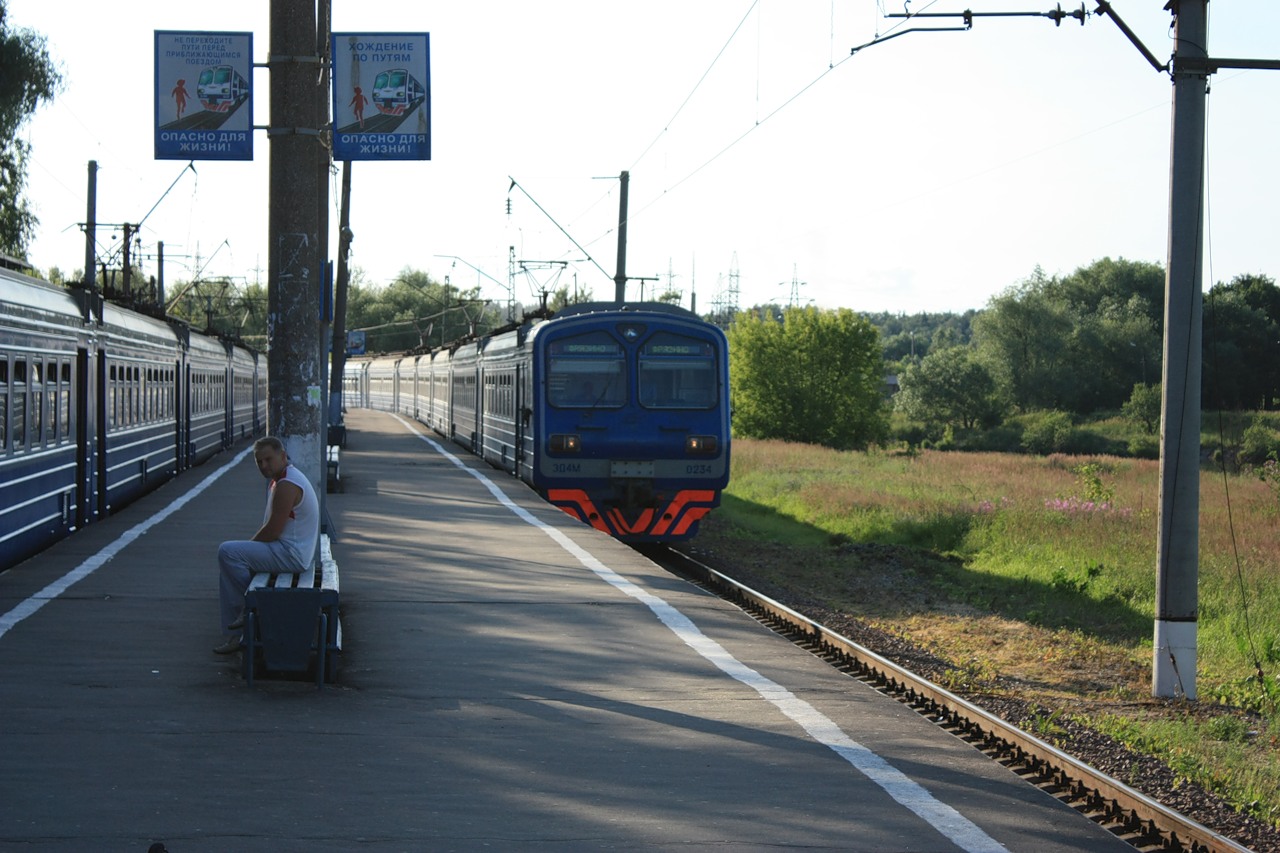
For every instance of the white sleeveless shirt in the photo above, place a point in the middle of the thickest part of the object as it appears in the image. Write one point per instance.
(302, 530)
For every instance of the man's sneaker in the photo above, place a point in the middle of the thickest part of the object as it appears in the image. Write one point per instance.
(229, 647)
(238, 624)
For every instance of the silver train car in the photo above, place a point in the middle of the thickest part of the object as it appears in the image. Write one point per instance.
(100, 404)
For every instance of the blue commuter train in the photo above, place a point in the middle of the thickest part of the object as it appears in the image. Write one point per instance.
(100, 404)
(619, 415)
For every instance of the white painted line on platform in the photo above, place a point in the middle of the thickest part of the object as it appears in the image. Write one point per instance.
(953, 825)
(91, 565)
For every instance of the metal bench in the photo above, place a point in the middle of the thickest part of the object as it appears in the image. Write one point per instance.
(333, 464)
(289, 619)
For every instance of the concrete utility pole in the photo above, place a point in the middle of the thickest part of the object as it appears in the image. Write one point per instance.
(1178, 545)
(620, 277)
(91, 236)
(338, 356)
(295, 226)
(1178, 542)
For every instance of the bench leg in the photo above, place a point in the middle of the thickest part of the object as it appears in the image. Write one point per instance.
(249, 642)
(322, 635)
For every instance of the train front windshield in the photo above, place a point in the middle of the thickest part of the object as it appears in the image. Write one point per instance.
(586, 371)
(677, 372)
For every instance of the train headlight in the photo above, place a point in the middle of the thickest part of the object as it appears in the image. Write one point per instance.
(565, 443)
(701, 444)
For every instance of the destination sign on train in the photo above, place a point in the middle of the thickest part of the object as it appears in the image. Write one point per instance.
(204, 95)
(381, 96)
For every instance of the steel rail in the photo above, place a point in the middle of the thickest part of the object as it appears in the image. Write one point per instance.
(1129, 814)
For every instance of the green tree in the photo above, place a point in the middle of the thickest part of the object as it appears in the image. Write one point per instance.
(1023, 334)
(908, 338)
(1242, 344)
(816, 377)
(416, 312)
(949, 387)
(564, 296)
(27, 77)
(1143, 407)
(1075, 344)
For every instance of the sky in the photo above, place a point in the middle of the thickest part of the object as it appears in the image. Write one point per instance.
(930, 172)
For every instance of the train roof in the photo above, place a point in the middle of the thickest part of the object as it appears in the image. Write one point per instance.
(115, 318)
(615, 307)
(34, 294)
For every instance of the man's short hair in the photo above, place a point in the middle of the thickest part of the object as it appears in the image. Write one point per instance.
(269, 442)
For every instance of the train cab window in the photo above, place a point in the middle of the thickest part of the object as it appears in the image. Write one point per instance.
(586, 371)
(677, 372)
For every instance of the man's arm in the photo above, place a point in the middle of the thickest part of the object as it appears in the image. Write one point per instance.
(284, 497)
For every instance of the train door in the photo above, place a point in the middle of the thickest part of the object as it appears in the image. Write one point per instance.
(86, 438)
(519, 416)
(184, 415)
(174, 388)
(478, 436)
(103, 402)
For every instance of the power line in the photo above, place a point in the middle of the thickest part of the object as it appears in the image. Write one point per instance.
(696, 86)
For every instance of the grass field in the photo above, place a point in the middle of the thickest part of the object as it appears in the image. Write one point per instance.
(1044, 568)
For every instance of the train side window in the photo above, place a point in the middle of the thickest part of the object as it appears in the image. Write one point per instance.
(64, 401)
(677, 372)
(37, 404)
(18, 418)
(126, 396)
(586, 371)
(135, 395)
(51, 401)
(111, 396)
(4, 405)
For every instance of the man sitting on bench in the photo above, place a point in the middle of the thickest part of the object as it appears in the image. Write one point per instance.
(286, 542)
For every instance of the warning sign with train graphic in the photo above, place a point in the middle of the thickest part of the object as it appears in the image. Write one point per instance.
(204, 97)
(381, 96)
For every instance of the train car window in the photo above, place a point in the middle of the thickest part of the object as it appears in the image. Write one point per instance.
(111, 396)
(677, 372)
(37, 404)
(18, 418)
(586, 371)
(64, 401)
(51, 402)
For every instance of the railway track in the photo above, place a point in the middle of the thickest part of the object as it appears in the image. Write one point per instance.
(1130, 815)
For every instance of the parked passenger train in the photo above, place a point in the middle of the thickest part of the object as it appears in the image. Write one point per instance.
(617, 415)
(99, 405)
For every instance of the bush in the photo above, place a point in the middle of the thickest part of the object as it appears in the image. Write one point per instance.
(1258, 444)
(1048, 432)
(1144, 447)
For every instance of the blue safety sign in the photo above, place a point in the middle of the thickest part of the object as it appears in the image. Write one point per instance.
(204, 95)
(381, 96)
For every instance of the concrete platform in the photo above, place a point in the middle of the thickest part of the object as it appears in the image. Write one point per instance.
(510, 680)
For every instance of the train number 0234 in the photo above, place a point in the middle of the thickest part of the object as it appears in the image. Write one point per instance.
(699, 468)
